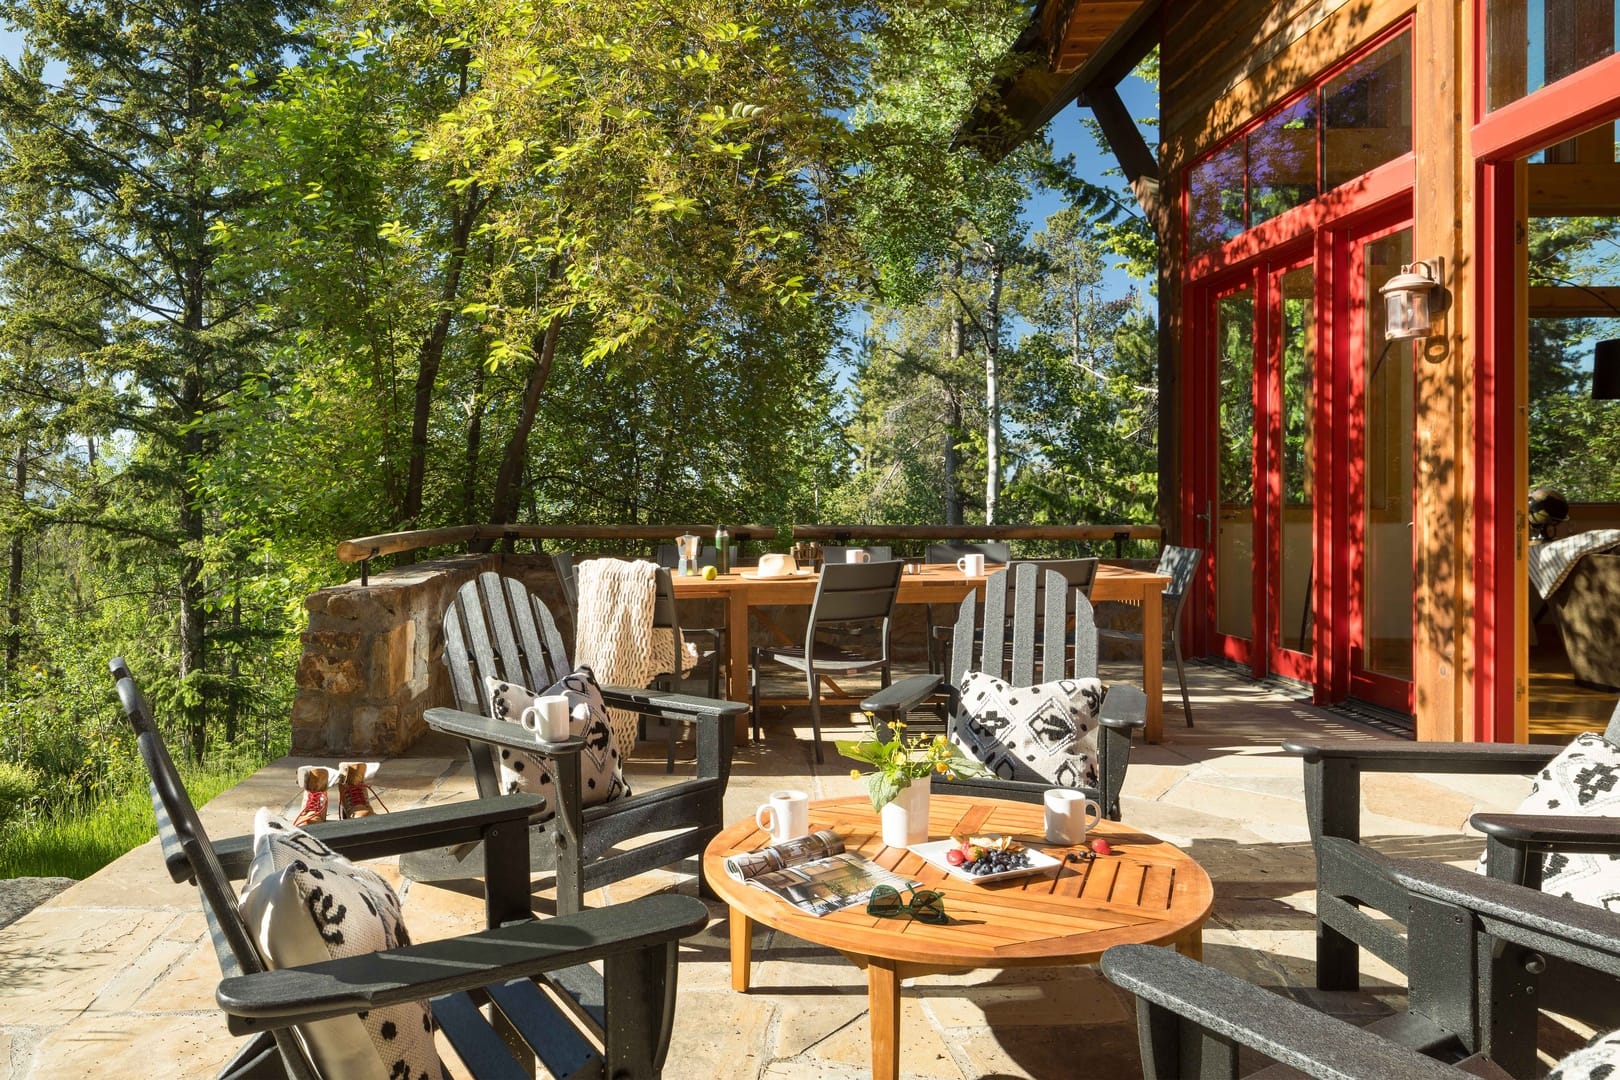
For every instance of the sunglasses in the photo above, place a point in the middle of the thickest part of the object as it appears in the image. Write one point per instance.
(925, 905)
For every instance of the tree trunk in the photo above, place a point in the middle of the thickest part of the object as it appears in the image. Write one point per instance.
(992, 392)
(430, 354)
(504, 503)
(14, 575)
(193, 700)
(953, 416)
(475, 439)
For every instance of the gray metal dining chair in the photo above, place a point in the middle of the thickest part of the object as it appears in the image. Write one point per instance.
(847, 595)
(1181, 564)
(832, 553)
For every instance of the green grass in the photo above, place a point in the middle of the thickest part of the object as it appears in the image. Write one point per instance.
(82, 836)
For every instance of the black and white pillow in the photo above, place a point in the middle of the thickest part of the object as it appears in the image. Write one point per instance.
(304, 904)
(1583, 780)
(600, 774)
(1597, 1060)
(1045, 733)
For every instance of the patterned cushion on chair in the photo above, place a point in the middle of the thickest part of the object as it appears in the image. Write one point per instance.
(304, 904)
(1583, 780)
(1597, 1060)
(1043, 733)
(600, 775)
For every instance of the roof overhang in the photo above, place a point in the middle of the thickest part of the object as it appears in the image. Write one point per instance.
(1068, 47)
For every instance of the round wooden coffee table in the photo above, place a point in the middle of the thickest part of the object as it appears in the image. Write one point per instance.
(1147, 892)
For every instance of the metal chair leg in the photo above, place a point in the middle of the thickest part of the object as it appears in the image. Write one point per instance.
(1181, 677)
(753, 696)
(815, 712)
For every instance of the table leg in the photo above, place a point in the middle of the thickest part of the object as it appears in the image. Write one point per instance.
(1153, 663)
(1192, 946)
(737, 661)
(883, 1006)
(742, 950)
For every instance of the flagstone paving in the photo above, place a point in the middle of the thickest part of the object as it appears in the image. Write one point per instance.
(115, 976)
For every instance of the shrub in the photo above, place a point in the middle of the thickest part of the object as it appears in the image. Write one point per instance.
(19, 788)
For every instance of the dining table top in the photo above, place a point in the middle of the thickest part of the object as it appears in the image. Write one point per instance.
(920, 583)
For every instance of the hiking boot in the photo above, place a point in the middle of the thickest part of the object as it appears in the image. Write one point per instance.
(314, 779)
(354, 794)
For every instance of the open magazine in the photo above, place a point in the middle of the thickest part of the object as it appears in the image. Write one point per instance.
(814, 873)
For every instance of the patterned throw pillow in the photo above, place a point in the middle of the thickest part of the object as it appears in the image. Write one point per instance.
(600, 775)
(1045, 733)
(1597, 1060)
(1584, 780)
(304, 904)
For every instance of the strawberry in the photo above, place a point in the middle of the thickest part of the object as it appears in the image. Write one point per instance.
(955, 857)
(1101, 847)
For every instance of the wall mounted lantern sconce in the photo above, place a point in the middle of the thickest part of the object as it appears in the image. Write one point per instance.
(1406, 300)
(1606, 370)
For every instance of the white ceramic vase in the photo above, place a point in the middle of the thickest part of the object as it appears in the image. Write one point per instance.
(905, 817)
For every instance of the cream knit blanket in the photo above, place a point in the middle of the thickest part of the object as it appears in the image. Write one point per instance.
(615, 637)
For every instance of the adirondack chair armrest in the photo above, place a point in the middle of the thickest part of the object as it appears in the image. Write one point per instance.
(281, 998)
(498, 732)
(376, 837)
(1184, 1006)
(899, 698)
(1564, 927)
(1122, 723)
(1559, 832)
(1391, 756)
(672, 706)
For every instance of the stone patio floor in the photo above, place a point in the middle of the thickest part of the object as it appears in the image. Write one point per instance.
(116, 976)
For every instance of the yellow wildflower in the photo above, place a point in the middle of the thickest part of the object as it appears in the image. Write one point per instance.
(854, 774)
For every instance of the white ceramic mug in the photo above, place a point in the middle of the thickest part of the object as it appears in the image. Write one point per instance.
(789, 814)
(776, 565)
(857, 555)
(1068, 815)
(971, 565)
(547, 718)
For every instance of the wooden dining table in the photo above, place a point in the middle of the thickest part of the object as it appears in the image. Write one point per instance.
(930, 583)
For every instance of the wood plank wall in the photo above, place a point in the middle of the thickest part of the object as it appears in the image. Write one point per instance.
(1224, 62)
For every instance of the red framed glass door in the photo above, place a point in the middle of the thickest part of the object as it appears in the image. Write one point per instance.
(1237, 516)
(1292, 340)
(1380, 613)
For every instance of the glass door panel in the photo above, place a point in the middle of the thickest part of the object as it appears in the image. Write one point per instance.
(1296, 336)
(1381, 638)
(1234, 542)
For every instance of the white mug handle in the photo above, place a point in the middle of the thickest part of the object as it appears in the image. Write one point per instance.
(1094, 814)
(759, 817)
(961, 564)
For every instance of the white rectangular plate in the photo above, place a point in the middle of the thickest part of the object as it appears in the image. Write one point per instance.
(934, 851)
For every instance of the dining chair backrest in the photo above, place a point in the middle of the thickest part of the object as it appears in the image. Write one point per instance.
(855, 592)
(1181, 564)
(995, 552)
(568, 580)
(1079, 573)
(669, 556)
(1027, 613)
(665, 617)
(832, 553)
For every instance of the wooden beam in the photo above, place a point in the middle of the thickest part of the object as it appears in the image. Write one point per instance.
(1125, 139)
(1566, 302)
(1585, 189)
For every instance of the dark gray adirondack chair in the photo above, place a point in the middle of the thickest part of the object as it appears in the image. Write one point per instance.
(496, 627)
(1348, 879)
(1024, 644)
(849, 597)
(633, 1008)
(1477, 945)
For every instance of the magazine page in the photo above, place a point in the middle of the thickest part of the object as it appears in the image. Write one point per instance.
(801, 849)
(831, 884)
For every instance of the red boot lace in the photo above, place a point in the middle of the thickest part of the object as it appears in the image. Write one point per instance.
(314, 809)
(353, 800)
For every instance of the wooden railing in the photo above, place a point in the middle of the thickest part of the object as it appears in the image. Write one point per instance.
(363, 549)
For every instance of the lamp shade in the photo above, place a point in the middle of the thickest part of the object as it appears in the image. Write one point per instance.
(1606, 370)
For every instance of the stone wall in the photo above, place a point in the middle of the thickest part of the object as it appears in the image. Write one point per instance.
(371, 662)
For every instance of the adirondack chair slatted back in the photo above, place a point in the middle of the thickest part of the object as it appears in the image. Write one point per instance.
(496, 628)
(1611, 734)
(1079, 573)
(1026, 625)
(189, 856)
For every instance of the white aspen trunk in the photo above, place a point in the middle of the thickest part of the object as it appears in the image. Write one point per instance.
(992, 392)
